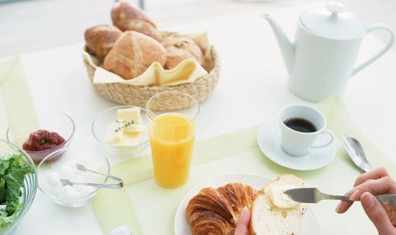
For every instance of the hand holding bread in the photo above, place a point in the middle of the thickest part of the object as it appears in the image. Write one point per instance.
(216, 211)
(211, 213)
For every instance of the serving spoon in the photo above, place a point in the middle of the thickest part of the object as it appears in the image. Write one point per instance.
(356, 152)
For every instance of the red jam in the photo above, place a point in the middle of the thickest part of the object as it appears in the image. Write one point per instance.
(42, 140)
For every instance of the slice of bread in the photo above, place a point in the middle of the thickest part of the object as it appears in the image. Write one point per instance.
(273, 213)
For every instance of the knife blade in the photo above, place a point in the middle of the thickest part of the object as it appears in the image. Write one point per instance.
(313, 195)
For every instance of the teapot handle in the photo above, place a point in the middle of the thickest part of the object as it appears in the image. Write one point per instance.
(371, 28)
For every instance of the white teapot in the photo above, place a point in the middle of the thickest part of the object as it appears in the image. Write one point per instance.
(323, 56)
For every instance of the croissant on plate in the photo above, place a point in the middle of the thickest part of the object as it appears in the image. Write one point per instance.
(216, 210)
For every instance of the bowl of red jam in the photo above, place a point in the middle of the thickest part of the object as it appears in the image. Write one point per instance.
(41, 132)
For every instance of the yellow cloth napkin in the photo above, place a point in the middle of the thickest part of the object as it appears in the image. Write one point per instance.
(150, 209)
(186, 72)
(14, 93)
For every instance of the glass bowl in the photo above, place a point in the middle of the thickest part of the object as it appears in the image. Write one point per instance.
(23, 124)
(99, 128)
(28, 190)
(52, 169)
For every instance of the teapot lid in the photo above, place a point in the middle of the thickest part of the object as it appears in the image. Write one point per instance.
(332, 22)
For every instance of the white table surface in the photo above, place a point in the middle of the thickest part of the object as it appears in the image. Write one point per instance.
(252, 88)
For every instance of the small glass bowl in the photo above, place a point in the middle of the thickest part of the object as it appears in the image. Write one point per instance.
(99, 127)
(29, 188)
(25, 123)
(52, 169)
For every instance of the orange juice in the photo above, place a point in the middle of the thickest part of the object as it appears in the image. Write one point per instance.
(172, 139)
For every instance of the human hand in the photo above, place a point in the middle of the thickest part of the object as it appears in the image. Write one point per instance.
(242, 227)
(371, 183)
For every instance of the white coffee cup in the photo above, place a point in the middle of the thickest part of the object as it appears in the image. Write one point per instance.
(302, 127)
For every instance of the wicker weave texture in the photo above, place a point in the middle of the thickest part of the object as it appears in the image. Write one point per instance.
(120, 93)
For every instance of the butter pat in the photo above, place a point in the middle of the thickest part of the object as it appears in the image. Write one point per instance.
(136, 128)
(130, 114)
(125, 131)
(114, 133)
(279, 199)
(128, 139)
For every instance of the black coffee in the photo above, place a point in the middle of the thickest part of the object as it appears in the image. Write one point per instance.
(300, 124)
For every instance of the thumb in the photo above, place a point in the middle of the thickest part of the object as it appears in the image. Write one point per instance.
(242, 227)
(377, 214)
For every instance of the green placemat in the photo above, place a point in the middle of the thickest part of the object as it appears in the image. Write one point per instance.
(14, 92)
(150, 209)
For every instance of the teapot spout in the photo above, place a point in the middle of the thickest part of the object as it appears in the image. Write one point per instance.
(286, 46)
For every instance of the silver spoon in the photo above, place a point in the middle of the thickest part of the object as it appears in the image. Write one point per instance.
(356, 153)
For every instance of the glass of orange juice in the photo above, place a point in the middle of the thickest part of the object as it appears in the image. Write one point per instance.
(171, 118)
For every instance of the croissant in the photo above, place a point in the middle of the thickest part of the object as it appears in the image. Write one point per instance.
(216, 211)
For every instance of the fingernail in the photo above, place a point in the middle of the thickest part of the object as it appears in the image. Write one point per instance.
(245, 211)
(355, 195)
(350, 192)
(338, 208)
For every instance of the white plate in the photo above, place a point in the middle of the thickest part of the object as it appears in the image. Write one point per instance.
(310, 223)
(268, 139)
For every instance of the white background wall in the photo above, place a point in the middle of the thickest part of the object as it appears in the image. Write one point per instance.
(31, 25)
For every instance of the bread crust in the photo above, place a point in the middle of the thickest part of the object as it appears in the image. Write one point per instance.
(124, 12)
(129, 17)
(100, 39)
(179, 49)
(144, 27)
(132, 54)
(263, 200)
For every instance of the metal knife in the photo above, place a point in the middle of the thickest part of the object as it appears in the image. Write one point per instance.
(313, 195)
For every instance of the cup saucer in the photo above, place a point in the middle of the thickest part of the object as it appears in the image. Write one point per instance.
(268, 139)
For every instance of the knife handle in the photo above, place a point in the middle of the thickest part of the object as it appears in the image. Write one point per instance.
(387, 199)
(339, 197)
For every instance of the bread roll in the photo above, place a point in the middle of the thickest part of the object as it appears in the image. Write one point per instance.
(122, 12)
(127, 16)
(132, 54)
(179, 49)
(100, 39)
(216, 211)
(144, 27)
(273, 213)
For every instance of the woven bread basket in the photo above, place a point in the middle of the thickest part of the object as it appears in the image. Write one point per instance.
(121, 93)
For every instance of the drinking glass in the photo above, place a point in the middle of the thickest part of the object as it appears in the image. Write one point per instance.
(171, 118)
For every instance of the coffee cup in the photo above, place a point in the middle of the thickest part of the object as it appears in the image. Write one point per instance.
(302, 127)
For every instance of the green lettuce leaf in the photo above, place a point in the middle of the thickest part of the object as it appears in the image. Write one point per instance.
(13, 170)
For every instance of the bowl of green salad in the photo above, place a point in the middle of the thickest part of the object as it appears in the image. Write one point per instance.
(18, 186)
